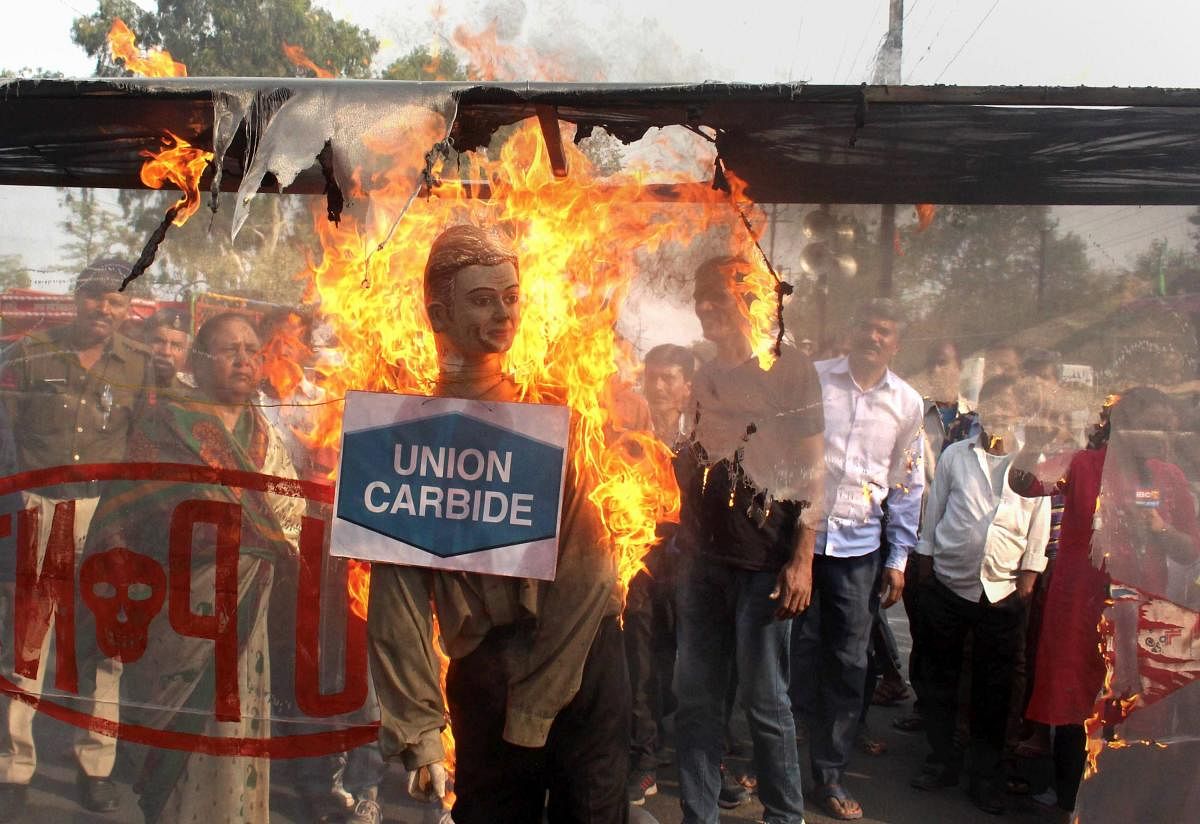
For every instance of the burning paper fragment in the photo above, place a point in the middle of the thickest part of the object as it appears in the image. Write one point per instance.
(375, 142)
(181, 164)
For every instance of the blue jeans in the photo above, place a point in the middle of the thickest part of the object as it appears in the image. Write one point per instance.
(829, 658)
(726, 620)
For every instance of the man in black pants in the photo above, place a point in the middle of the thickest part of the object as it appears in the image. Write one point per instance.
(980, 552)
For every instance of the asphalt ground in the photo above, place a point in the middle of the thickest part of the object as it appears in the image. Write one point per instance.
(880, 783)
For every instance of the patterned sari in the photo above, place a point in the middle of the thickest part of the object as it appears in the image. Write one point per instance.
(172, 685)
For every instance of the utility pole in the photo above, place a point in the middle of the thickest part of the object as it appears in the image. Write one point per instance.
(887, 72)
(887, 67)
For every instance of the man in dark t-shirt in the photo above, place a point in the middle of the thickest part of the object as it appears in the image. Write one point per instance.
(747, 516)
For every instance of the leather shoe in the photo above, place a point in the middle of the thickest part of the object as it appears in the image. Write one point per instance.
(99, 795)
(12, 801)
(987, 797)
(934, 777)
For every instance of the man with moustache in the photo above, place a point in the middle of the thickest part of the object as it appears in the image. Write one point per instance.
(168, 339)
(536, 689)
(72, 394)
(873, 465)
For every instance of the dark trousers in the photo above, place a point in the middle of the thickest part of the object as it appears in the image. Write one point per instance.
(1070, 757)
(909, 599)
(650, 656)
(585, 761)
(883, 659)
(829, 658)
(946, 619)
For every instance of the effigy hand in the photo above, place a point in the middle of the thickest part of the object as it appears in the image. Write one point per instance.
(428, 782)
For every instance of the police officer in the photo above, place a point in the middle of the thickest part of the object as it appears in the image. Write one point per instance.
(71, 393)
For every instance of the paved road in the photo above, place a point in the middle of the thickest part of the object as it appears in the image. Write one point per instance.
(880, 783)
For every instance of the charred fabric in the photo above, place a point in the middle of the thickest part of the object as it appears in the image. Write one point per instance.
(788, 142)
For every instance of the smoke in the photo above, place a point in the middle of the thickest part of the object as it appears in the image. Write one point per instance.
(509, 16)
(609, 42)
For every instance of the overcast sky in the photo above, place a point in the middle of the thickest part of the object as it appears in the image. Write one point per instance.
(1009, 42)
(966, 42)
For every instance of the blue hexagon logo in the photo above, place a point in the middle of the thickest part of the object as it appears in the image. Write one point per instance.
(450, 484)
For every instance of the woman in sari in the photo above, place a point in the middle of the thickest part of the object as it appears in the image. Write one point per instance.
(172, 685)
(1128, 509)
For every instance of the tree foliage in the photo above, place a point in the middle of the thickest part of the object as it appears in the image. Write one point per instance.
(422, 64)
(974, 273)
(13, 272)
(232, 38)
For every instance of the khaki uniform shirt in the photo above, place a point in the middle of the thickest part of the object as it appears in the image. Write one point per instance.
(562, 617)
(63, 414)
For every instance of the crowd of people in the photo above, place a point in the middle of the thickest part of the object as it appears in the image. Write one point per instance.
(815, 495)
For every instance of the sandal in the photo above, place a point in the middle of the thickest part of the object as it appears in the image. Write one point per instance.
(890, 693)
(869, 744)
(838, 803)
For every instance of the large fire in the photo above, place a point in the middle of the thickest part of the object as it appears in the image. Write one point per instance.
(122, 42)
(179, 163)
(577, 239)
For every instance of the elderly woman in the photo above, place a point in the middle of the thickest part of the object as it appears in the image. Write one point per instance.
(178, 684)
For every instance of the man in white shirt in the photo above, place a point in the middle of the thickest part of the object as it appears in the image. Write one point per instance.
(873, 463)
(981, 549)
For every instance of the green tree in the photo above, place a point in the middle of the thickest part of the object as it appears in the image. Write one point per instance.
(1194, 234)
(1166, 270)
(223, 38)
(973, 274)
(13, 273)
(28, 72)
(232, 38)
(93, 229)
(422, 64)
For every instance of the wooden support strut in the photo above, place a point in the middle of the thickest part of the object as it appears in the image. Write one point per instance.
(548, 119)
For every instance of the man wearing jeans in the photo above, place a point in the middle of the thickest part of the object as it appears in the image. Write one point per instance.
(749, 564)
(873, 462)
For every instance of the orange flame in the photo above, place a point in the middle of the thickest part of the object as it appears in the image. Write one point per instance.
(1094, 726)
(179, 163)
(925, 213)
(284, 356)
(1110, 708)
(448, 746)
(490, 59)
(358, 584)
(298, 58)
(156, 63)
(577, 239)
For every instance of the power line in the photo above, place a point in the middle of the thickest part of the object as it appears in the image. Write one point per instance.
(1106, 217)
(970, 37)
(863, 42)
(936, 36)
(1138, 234)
